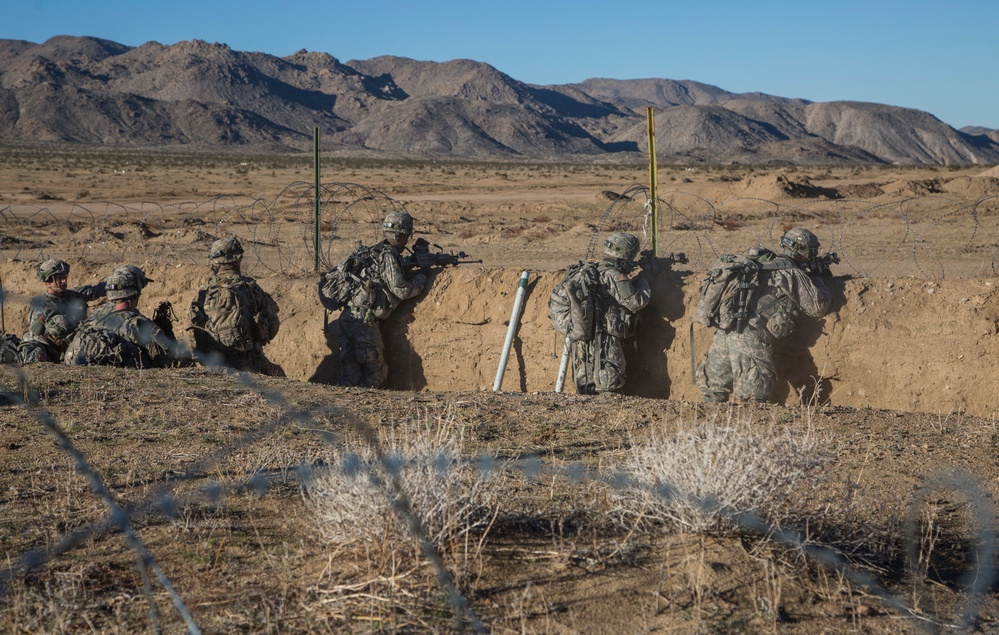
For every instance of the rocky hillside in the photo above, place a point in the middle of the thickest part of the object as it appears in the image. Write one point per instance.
(91, 91)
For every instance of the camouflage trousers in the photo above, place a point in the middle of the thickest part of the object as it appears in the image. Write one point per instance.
(35, 351)
(362, 352)
(598, 365)
(738, 364)
(252, 360)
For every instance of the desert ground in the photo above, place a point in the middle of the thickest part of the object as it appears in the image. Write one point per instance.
(191, 499)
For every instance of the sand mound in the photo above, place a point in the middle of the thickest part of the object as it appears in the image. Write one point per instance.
(973, 187)
(782, 186)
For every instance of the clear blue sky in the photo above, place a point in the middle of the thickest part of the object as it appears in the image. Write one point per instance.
(936, 56)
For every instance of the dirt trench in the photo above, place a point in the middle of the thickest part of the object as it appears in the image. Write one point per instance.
(903, 344)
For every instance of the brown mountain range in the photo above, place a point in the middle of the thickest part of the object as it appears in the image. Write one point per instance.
(198, 95)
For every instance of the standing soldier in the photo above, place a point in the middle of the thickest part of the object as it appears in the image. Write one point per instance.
(232, 317)
(383, 286)
(58, 300)
(615, 297)
(740, 360)
(124, 337)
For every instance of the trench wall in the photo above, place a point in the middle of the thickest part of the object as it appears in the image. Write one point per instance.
(899, 344)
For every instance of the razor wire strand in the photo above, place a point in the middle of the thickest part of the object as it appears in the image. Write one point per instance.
(400, 503)
(980, 503)
(577, 473)
(119, 517)
(103, 235)
(398, 499)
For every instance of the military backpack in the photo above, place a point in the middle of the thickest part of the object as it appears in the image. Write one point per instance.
(352, 281)
(728, 297)
(228, 313)
(93, 345)
(572, 304)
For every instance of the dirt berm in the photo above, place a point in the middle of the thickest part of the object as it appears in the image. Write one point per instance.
(906, 344)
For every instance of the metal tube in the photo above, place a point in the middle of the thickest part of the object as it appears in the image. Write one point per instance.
(514, 320)
(564, 364)
(653, 187)
(317, 225)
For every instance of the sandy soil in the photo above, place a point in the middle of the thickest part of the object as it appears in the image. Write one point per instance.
(897, 380)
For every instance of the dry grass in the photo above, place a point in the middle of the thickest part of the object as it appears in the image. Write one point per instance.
(416, 484)
(707, 472)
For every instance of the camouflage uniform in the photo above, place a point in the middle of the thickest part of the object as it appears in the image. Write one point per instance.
(741, 364)
(233, 318)
(124, 337)
(48, 346)
(145, 344)
(599, 365)
(71, 303)
(362, 351)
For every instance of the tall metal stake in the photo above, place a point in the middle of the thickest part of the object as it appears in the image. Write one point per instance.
(653, 194)
(316, 242)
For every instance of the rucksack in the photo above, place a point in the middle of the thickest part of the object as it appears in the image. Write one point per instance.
(230, 309)
(725, 295)
(351, 279)
(93, 345)
(726, 298)
(572, 305)
(9, 344)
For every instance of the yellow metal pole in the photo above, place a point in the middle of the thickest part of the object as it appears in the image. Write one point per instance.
(653, 195)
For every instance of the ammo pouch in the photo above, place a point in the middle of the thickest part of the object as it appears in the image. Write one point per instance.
(619, 321)
(372, 297)
(778, 313)
(380, 305)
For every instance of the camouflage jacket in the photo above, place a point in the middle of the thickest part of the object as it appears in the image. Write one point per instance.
(152, 347)
(784, 293)
(392, 280)
(72, 304)
(235, 312)
(630, 292)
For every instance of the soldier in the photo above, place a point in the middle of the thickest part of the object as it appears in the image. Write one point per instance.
(740, 359)
(598, 364)
(232, 317)
(108, 306)
(57, 299)
(385, 285)
(124, 337)
(49, 345)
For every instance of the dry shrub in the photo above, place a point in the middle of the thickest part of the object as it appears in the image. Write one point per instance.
(699, 478)
(366, 497)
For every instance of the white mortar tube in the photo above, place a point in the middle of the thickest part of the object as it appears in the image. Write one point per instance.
(564, 365)
(514, 320)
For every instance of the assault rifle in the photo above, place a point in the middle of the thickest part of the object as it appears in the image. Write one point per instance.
(164, 316)
(820, 266)
(654, 264)
(422, 258)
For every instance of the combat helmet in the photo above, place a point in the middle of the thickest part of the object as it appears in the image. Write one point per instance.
(52, 267)
(622, 245)
(56, 328)
(122, 284)
(226, 250)
(139, 275)
(799, 244)
(398, 223)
